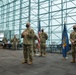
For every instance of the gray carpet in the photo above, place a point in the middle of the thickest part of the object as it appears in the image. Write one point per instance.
(52, 64)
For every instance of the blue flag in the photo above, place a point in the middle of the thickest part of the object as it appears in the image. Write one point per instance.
(65, 41)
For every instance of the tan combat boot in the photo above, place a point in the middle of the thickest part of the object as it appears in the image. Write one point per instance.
(30, 62)
(73, 61)
(44, 54)
(24, 62)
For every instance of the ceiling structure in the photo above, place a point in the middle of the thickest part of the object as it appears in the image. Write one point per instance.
(15, 13)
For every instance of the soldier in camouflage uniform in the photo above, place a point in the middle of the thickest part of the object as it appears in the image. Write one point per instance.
(73, 43)
(27, 36)
(14, 42)
(34, 44)
(4, 40)
(43, 38)
(18, 46)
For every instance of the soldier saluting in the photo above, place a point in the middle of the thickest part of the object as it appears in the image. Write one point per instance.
(27, 36)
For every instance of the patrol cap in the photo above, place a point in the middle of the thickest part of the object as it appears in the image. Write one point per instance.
(42, 29)
(28, 23)
(74, 26)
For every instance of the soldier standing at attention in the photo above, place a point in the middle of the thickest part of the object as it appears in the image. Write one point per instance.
(43, 38)
(4, 40)
(73, 43)
(27, 36)
(15, 42)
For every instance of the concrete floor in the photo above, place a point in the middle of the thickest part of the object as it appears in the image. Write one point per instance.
(52, 64)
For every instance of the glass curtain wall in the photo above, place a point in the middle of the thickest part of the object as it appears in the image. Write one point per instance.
(15, 13)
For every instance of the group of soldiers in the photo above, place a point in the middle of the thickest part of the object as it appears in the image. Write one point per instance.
(29, 38)
(14, 41)
(29, 45)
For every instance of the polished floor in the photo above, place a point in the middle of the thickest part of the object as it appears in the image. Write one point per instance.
(52, 64)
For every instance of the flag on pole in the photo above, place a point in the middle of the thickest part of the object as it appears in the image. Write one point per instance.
(65, 41)
(39, 29)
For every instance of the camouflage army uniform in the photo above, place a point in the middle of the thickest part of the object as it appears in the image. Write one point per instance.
(14, 43)
(73, 45)
(43, 38)
(4, 40)
(18, 45)
(27, 36)
(34, 44)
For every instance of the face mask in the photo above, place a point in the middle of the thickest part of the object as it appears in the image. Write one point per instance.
(74, 29)
(27, 26)
(42, 30)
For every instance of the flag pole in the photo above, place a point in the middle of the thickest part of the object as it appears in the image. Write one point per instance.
(39, 29)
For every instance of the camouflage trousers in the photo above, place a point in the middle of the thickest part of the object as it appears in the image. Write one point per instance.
(14, 46)
(73, 48)
(34, 48)
(42, 48)
(27, 52)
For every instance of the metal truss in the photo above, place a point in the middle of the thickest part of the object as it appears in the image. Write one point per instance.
(15, 13)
